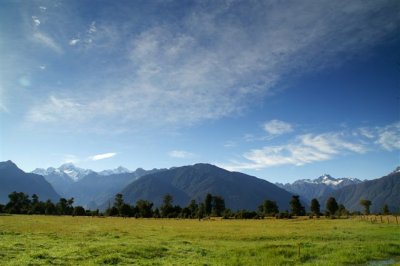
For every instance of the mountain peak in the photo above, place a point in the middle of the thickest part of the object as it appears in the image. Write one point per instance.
(8, 164)
(397, 170)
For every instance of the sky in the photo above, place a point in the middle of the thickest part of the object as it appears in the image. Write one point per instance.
(282, 90)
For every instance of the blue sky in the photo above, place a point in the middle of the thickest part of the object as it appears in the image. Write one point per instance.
(279, 90)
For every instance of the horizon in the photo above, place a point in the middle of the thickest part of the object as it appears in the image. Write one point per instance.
(280, 91)
(172, 167)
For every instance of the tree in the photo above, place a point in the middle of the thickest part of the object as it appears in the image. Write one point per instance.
(296, 208)
(385, 209)
(166, 208)
(201, 211)
(315, 207)
(208, 204)
(269, 208)
(342, 211)
(18, 203)
(113, 211)
(50, 208)
(193, 208)
(144, 208)
(332, 206)
(119, 203)
(218, 206)
(366, 203)
(64, 206)
(126, 210)
(79, 211)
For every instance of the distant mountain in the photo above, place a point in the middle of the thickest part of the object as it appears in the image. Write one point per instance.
(87, 187)
(240, 191)
(317, 188)
(67, 170)
(385, 190)
(119, 170)
(14, 179)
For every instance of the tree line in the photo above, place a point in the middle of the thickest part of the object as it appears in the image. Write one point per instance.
(212, 205)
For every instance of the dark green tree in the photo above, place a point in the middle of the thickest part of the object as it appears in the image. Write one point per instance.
(64, 206)
(156, 213)
(193, 208)
(126, 210)
(208, 204)
(201, 212)
(79, 211)
(367, 204)
(295, 205)
(385, 210)
(18, 203)
(144, 209)
(315, 207)
(218, 204)
(166, 208)
(113, 211)
(119, 203)
(269, 208)
(331, 206)
(50, 208)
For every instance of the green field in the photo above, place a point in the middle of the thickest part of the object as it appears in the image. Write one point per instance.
(37, 240)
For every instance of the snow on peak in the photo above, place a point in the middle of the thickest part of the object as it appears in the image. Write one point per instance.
(397, 170)
(119, 170)
(68, 169)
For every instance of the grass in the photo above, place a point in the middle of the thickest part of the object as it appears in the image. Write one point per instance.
(42, 240)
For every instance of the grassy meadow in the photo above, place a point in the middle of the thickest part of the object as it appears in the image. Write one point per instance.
(42, 240)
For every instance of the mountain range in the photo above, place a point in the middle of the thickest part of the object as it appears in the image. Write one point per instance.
(240, 191)
(14, 179)
(89, 188)
(316, 188)
(381, 191)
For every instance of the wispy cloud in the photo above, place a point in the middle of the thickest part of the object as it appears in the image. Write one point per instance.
(214, 63)
(389, 137)
(36, 21)
(312, 148)
(102, 156)
(181, 154)
(277, 127)
(47, 41)
(304, 149)
(74, 42)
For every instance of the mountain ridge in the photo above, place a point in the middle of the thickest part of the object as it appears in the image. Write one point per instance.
(13, 179)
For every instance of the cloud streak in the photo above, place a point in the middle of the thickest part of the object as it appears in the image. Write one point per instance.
(102, 156)
(180, 154)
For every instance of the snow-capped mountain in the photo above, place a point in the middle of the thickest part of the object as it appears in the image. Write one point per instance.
(119, 170)
(330, 181)
(65, 170)
(315, 188)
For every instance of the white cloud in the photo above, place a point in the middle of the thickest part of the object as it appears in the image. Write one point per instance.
(47, 41)
(43, 8)
(102, 156)
(389, 137)
(180, 154)
(36, 21)
(277, 127)
(214, 63)
(74, 42)
(304, 149)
